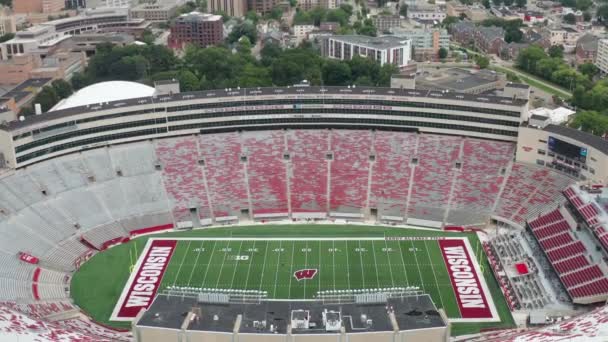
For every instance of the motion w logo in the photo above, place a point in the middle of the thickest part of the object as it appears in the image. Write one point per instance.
(305, 274)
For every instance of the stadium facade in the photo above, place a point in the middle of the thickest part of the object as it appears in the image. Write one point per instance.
(79, 179)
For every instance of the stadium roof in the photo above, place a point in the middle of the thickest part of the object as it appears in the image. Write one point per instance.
(105, 92)
(586, 138)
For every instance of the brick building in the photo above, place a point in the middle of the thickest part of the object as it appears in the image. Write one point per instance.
(196, 28)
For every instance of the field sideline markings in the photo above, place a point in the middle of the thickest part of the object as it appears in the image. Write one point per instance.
(362, 271)
(209, 263)
(276, 276)
(236, 264)
(263, 266)
(251, 262)
(390, 266)
(407, 281)
(219, 276)
(435, 276)
(376, 265)
(179, 269)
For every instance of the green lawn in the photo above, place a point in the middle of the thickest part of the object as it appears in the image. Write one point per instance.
(268, 265)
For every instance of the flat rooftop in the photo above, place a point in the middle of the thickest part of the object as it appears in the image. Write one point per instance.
(412, 312)
(384, 42)
(456, 79)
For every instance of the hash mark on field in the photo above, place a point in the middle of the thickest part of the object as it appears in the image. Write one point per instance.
(276, 276)
(434, 275)
(263, 266)
(236, 264)
(219, 276)
(249, 268)
(209, 263)
(376, 264)
(362, 271)
(182, 263)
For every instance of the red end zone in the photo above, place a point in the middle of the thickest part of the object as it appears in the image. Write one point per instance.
(472, 296)
(144, 282)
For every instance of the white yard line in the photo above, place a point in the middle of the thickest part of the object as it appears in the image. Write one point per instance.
(320, 263)
(390, 267)
(403, 263)
(276, 275)
(347, 267)
(434, 274)
(305, 266)
(179, 269)
(376, 264)
(333, 246)
(418, 266)
(209, 263)
(293, 251)
(236, 264)
(263, 267)
(195, 263)
(362, 269)
(251, 262)
(217, 284)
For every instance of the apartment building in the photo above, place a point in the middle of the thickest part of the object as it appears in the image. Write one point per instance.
(196, 28)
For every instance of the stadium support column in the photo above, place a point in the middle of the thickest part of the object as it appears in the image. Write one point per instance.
(328, 161)
(288, 174)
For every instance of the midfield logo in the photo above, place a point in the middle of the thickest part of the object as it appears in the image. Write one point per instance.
(305, 274)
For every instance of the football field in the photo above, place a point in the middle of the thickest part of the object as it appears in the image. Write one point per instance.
(299, 268)
(294, 262)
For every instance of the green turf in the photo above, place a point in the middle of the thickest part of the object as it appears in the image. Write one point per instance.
(342, 265)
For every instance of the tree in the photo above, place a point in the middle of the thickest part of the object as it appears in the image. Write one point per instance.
(443, 53)
(26, 111)
(336, 73)
(79, 81)
(586, 16)
(602, 12)
(403, 10)
(252, 16)
(521, 3)
(588, 69)
(47, 98)
(591, 122)
(497, 2)
(449, 21)
(513, 35)
(583, 5)
(482, 61)
(569, 19)
(62, 88)
(6, 37)
(486, 4)
(507, 3)
(269, 53)
(556, 51)
(246, 28)
(188, 81)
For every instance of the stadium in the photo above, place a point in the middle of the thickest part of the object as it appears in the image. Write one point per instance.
(136, 213)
